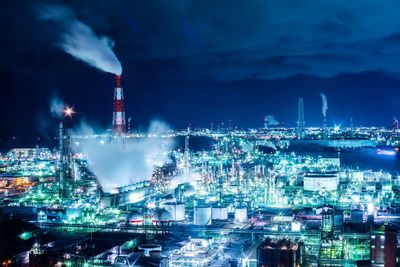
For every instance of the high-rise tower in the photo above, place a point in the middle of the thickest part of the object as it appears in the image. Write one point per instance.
(300, 119)
(119, 123)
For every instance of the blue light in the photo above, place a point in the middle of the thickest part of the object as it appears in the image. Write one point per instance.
(386, 152)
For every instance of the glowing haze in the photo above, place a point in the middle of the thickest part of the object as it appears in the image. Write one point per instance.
(117, 165)
(80, 41)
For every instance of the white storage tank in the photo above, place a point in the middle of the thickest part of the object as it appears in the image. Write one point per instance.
(241, 214)
(162, 217)
(316, 182)
(177, 210)
(135, 217)
(202, 215)
(219, 213)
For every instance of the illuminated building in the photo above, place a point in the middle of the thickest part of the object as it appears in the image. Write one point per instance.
(383, 247)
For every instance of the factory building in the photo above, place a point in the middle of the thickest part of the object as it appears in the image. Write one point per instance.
(316, 182)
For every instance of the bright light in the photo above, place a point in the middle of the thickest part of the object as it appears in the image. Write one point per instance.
(151, 205)
(68, 111)
(370, 208)
(336, 128)
(296, 226)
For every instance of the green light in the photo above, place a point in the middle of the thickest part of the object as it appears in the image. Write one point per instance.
(25, 235)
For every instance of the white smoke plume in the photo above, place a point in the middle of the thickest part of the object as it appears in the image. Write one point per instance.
(270, 120)
(117, 164)
(57, 106)
(80, 41)
(324, 104)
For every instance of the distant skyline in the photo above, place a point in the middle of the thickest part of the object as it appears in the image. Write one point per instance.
(197, 62)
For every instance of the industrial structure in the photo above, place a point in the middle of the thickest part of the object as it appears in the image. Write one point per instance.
(119, 123)
(300, 119)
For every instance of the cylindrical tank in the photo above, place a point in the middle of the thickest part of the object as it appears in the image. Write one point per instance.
(219, 213)
(162, 216)
(356, 216)
(202, 215)
(177, 210)
(241, 214)
(135, 217)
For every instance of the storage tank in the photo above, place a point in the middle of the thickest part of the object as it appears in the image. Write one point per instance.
(202, 215)
(241, 214)
(356, 216)
(135, 217)
(219, 213)
(177, 211)
(316, 182)
(162, 216)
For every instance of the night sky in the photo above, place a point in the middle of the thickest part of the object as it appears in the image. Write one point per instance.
(206, 61)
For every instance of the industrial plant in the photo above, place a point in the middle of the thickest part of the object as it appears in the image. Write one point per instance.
(320, 194)
(273, 196)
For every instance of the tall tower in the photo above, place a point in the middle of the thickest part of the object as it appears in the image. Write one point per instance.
(187, 155)
(300, 119)
(61, 156)
(119, 123)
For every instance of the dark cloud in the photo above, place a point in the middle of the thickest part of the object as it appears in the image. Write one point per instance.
(234, 39)
(201, 61)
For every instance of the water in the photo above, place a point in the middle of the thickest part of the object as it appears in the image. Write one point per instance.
(368, 159)
(363, 159)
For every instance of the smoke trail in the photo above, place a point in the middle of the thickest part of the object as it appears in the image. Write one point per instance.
(116, 165)
(324, 104)
(79, 40)
(57, 107)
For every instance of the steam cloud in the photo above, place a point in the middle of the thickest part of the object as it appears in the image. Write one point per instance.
(118, 165)
(324, 104)
(270, 121)
(57, 107)
(80, 41)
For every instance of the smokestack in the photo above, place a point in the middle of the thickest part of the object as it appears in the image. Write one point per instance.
(61, 151)
(119, 124)
(300, 119)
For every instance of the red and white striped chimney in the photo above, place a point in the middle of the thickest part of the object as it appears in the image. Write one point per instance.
(119, 124)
